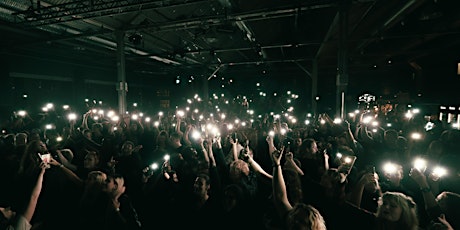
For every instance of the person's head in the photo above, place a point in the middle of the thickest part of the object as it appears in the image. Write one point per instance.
(115, 183)
(435, 149)
(333, 183)
(127, 148)
(303, 216)
(399, 208)
(96, 177)
(162, 138)
(238, 169)
(176, 139)
(91, 160)
(87, 134)
(96, 129)
(309, 146)
(201, 185)
(449, 203)
(21, 139)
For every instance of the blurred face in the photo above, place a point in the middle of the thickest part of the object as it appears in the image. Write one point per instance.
(41, 147)
(390, 210)
(127, 148)
(200, 187)
(90, 161)
(313, 148)
(298, 142)
(115, 185)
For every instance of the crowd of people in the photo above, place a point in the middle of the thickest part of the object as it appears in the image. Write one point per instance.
(266, 172)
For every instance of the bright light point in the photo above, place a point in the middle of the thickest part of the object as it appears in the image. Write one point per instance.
(347, 160)
(289, 101)
(237, 121)
(389, 125)
(196, 111)
(408, 115)
(351, 114)
(222, 116)
(48, 126)
(58, 139)
(415, 111)
(187, 108)
(375, 123)
(288, 92)
(367, 120)
(229, 126)
(389, 168)
(322, 121)
(141, 114)
(86, 100)
(115, 118)
(147, 119)
(356, 111)
(455, 125)
(100, 112)
(307, 122)
(290, 109)
(257, 84)
(416, 136)
(96, 118)
(283, 131)
(65, 107)
(337, 121)
(160, 113)
(156, 123)
(196, 135)
(308, 114)
(180, 113)
(420, 164)
(44, 109)
(134, 117)
(22, 113)
(243, 123)
(49, 105)
(201, 117)
(72, 116)
(293, 120)
(338, 155)
(439, 171)
(154, 166)
(189, 101)
(24, 95)
(374, 130)
(166, 157)
(94, 110)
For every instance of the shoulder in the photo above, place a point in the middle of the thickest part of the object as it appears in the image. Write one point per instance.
(22, 223)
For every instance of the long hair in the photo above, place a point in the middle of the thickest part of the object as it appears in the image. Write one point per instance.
(408, 219)
(30, 161)
(304, 217)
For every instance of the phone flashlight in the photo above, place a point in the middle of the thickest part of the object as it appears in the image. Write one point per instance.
(389, 168)
(154, 166)
(420, 164)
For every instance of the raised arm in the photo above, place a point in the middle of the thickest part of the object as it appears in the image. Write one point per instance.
(290, 163)
(279, 188)
(256, 167)
(30, 209)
